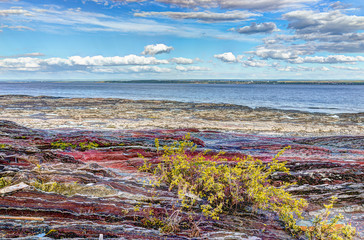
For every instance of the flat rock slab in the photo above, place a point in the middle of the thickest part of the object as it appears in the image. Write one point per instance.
(14, 188)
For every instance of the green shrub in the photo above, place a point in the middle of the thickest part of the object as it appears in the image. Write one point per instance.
(4, 182)
(218, 185)
(2, 145)
(222, 185)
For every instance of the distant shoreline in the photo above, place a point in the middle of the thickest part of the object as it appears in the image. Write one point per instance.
(241, 82)
(202, 81)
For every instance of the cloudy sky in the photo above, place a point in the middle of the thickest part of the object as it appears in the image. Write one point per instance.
(181, 39)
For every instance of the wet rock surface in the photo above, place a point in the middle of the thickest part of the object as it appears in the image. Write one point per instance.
(114, 199)
(108, 114)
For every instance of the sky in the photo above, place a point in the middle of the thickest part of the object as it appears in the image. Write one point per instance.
(181, 39)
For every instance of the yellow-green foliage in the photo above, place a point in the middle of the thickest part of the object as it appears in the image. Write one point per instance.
(62, 145)
(148, 220)
(68, 189)
(218, 185)
(152, 222)
(4, 182)
(222, 184)
(88, 145)
(2, 145)
(324, 228)
(82, 145)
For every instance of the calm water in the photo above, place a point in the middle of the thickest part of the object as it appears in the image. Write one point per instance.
(312, 98)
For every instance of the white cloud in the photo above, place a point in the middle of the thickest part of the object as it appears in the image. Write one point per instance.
(294, 69)
(133, 69)
(347, 68)
(333, 22)
(267, 27)
(328, 59)
(255, 63)
(191, 68)
(333, 31)
(54, 19)
(181, 60)
(324, 69)
(229, 16)
(35, 54)
(114, 61)
(18, 28)
(14, 11)
(258, 5)
(76, 63)
(281, 54)
(85, 21)
(228, 57)
(156, 49)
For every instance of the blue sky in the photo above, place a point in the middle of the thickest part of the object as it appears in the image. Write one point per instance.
(181, 39)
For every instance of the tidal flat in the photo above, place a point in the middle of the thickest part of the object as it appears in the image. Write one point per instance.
(71, 166)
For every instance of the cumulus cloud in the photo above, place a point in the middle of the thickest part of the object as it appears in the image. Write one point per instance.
(333, 22)
(181, 60)
(281, 54)
(114, 61)
(156, 49)
(333, 31)
(191, 68)
(228, 57)
(267, 27)
(230, 16)
(75, 62)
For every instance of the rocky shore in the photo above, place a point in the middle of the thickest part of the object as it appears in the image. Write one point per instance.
(110, 114)
(88, 151)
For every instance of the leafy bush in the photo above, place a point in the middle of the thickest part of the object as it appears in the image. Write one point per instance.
(4, 182)
(2, 145)
(217, 185)
(222, 185)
